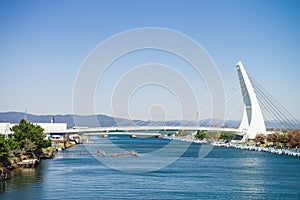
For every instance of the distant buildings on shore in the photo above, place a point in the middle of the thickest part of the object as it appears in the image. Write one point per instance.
(49, 128)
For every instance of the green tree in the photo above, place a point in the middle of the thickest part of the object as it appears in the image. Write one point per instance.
(3, 147)
(11, 143)
(282, 139)
(226, 136)
(47, 143)
(27, 137)
(200, 135)
(29, 146)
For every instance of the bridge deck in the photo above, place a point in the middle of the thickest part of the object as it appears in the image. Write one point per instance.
(147, 129)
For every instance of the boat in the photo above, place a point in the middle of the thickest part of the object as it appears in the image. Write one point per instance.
(127, 153)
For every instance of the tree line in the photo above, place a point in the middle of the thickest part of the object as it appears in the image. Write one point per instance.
(213, 136)
(289, 139)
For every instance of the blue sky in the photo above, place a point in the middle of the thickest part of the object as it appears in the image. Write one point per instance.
(43, 44)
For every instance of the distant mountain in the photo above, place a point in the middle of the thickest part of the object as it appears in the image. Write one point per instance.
(102, 120)
(107, 121)
(15, 117)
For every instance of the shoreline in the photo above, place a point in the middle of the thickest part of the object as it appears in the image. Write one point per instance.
(249, 147)
(25, 161)
(246, 146)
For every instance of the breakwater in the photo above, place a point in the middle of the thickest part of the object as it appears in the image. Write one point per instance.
(289, 152)
(249, 147)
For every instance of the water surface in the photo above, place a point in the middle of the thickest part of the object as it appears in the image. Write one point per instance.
(224, 174)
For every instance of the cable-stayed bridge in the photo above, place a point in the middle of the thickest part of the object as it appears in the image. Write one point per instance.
(258, 104)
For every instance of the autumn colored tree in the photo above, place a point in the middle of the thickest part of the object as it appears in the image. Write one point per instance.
(260, 138)
(293, 138)
(275, 137)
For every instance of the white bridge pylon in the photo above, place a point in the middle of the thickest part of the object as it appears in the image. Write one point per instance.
(252, 122)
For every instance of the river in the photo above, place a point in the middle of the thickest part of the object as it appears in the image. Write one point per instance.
(82, 173)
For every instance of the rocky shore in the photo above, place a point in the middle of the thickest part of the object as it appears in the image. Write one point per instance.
(31, 160)
(28, 160)
(5, 169)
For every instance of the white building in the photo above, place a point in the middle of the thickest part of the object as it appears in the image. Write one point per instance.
(52, 127)
(48, 127)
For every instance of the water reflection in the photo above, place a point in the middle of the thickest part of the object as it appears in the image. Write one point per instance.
(23, 179)
(251, 176)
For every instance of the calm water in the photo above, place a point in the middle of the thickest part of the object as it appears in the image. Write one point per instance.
(224, 174)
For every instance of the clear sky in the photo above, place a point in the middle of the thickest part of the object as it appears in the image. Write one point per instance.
(44, 43)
